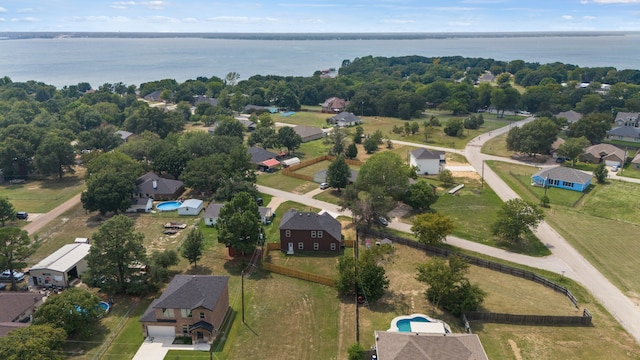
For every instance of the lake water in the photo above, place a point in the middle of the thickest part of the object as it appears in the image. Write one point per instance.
(68, 61)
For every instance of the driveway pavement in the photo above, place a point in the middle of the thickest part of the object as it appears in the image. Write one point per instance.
(158, 349)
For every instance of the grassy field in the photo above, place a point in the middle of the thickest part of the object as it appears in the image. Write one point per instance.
(602, 224)
(40, 196)
(309, 118)
(497, 146)
(278, 181)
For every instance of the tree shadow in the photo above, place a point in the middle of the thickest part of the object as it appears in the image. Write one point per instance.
(86, 339)
(198, 270)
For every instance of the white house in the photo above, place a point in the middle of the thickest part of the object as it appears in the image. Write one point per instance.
(62, 267)
(211, 213)
(428, 162)
(191, 207)
(140, 205)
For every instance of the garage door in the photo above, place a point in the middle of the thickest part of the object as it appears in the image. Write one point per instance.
(161, 331)
(611, 163)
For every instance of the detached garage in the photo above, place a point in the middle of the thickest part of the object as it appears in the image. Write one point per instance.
(191, 207)
(62, 267)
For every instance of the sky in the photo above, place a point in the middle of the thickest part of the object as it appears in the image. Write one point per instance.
(317, 16)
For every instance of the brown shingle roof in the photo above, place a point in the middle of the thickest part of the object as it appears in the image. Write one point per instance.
(410, 346)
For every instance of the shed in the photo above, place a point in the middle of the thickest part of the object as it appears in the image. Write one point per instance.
(60, 268)
(211, 213)
(290, 162)
(191, 207)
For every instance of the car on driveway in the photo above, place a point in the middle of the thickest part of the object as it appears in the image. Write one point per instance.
(22, 215)
(383, 221)
(614, 168)
(6, 276)
(324, 186)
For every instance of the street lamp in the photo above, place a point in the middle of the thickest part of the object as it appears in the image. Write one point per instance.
(362, 109)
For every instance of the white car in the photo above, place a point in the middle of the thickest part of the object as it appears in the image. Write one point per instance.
(614, 168)
(6, 276)
(324, 186)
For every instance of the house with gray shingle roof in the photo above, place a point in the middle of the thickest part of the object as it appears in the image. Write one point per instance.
(199, 99)
(571, 116)
(631, 119)
(150, 185)
(427, 161)
(308, 231)
(16, 309)
(609, 154)
(411, 345)
(563, 178)
(624, 133)
(344, 119)
(308, 133)
(191, 306)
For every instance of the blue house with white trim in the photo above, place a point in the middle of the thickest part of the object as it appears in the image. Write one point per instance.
(563, 178)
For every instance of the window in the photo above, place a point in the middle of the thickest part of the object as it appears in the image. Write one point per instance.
(287, 233)
(333, 246)
(185, 313)
(313, 234)
(185, 329)
(568, 184)
(301, 246)
(201, 315)
(316, 246)
(167, 313)
(319, 233)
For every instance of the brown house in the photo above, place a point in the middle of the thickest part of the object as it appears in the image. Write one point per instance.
(192, 306)
(16, 309)
(334, 105)
(307, 231)
(609, 154)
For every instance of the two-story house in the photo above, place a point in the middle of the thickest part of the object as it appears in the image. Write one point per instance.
(192, 306)
(308, 231)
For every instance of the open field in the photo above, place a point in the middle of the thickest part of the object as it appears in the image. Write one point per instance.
(309, 118)
(497, 146)
(40, 196)
(603, 225)
(287, 183)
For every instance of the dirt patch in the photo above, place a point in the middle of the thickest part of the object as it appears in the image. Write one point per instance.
(515, 349)
(472, 175)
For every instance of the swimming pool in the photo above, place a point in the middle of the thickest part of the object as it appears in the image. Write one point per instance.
(168, 206)
(419, 323)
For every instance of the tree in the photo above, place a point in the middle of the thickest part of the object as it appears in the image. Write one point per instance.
(114, 249)
(35, 342)
(446, 176)
(352, 151)
(193, 246)
(454, 127)
(345, 283)
(159, 263)
(386, 170)
(370, 145)
(429, 130)
(231, 78)
(356, 352)
(432, 228)
(366, 206)
(239, 223)
(601, 173)
(71, 310)
(110, 179)
(230, 127)
(357, 138)
(371, 281)
(572, 148)
(420, 195)
(288, 138)
(534, 137)
(337, 138)
(15, 248)
(514, 217)
(338, 173)
(593, 126)
(7, 212)
(54, 155)
(448, 286)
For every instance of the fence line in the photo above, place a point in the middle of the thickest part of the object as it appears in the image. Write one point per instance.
(290, 171)
(298, 274)
(505, 269)
(491, 317)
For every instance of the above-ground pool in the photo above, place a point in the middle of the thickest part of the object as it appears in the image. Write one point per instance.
(104, 306)
(419, 323)
(168, 206)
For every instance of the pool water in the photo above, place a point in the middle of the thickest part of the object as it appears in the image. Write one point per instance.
(104, 306)
(404, 325)
(168, 206)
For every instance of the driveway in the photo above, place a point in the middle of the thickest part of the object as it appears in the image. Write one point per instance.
(160, 346)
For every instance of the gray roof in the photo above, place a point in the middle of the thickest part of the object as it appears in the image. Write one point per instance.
(13, 304)
(151, 183)
(247, 123)
(123, 134)
(192, 203)
(189, 292)
(625, 131)
(345, 116)
(65, 258)
(608, 149)
(205, 99)
(624, 116)
(296, 220)
(409, 346)
(564, 174)
(264, 211)
(259, 154)
(213, 210)
(306, 131)
(423, 153)
(571, 116)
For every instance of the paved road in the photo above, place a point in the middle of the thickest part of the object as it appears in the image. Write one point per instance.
(40, 221)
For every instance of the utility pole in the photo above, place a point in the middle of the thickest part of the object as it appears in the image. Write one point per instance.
(242, 286)
(355, 253)
(362, 109)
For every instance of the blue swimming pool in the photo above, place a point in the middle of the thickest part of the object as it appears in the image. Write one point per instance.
(168, 206)
(404, 325)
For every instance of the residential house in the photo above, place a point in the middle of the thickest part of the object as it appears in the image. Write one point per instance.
(199, 99)
(62, 267)
(562, 177)
(624, 133)
(635, 162)
(191, 306)
(428, 162)
(631, 119)
(246, 123)
(571, 116)
(16, 309)
(556, 145)
(154, 96)
(308, 231)
(124, 135)
(249, 109)
(308, 133)
(344, 119)
(150, 185)
(140, 205)
(259, 155)
(486, 77)
(416, 345)
(211, 213)
(190, 207)
(334, 105)
(609, 154)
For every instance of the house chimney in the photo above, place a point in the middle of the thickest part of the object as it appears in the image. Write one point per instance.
(155, 184)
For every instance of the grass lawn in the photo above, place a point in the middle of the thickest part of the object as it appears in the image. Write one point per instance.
(127, 342)
(497, 146)
(287, 183)
(41, 196)
(309, 118)
(312, 149)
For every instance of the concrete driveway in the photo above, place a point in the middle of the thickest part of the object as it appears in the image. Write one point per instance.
(158, 349)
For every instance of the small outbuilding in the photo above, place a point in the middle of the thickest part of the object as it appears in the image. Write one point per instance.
(211, 213)
(191, 207)
(290, 162)
(62, 267)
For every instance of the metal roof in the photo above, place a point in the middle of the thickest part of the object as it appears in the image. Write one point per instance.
(64, 258)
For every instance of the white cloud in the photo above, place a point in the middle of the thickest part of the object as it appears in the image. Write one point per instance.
(616, 1)
(397, 21)
(459, 23)
(242, 19)
(155, 5)
(162, 19)
(3, 10)
(3, 19)
(101, 19)
(320, 5)
(25, 10)
(190, 20)
(25, 19)
(588, 17)
(567, 17)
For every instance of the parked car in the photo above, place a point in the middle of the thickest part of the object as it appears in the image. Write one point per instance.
(259, 201)
(614, 168)
(22, 215)
(324, 186)
(6, 276)
(383, 221)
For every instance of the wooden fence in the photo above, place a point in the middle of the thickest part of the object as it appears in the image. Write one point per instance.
(282, 270)
(290, 171)
(548, 320)
(506, 269)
